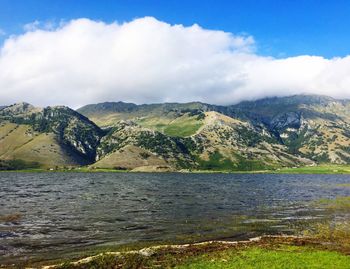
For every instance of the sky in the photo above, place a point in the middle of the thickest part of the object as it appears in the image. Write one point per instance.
(79, 52)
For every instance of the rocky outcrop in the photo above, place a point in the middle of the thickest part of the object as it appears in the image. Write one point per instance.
(19, 109)
(286, 120)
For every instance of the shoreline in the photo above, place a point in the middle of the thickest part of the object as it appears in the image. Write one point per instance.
(321, 169)
(148, 251)
(191, 250)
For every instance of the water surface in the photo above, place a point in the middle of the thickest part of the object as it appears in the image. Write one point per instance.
(64, 212)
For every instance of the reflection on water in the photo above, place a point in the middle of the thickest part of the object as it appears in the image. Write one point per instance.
(62, 212)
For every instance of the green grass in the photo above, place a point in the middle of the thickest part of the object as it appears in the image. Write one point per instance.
(244, 164)
(184, 129)
(216, 256)
(287, 257)
(252, 166)
(319, 169)
(216, 162)
(182, 126)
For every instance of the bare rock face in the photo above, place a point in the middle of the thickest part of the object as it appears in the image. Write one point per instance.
(287, 120)
(73, 129)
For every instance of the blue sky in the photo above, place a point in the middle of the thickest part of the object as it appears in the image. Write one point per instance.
(280, 28)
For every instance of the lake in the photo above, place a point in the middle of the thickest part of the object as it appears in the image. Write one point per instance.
(59, 214)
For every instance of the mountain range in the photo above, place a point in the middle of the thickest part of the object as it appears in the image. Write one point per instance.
(269, 133)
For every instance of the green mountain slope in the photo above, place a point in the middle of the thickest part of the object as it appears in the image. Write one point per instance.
(315, 127)
(153, 148)
(269, 133)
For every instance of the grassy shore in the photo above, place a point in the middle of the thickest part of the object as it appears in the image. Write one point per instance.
(282, 256)
(319, 169)
(265, 252)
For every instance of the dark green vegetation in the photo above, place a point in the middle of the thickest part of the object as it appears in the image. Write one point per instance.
(218, 162)
(268, 134)
(7, 165)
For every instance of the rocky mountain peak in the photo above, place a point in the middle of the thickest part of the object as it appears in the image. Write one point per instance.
(19, 109)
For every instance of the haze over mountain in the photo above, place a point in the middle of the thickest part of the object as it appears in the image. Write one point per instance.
(265, 134)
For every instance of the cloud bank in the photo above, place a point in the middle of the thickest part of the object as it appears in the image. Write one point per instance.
(146, 60)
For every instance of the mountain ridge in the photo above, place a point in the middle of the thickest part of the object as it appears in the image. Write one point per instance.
(267, 133)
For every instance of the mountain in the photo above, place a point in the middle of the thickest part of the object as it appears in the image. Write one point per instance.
(315, 127)
(130, 145)
(51, 136)
(268, 133)
(152, 115)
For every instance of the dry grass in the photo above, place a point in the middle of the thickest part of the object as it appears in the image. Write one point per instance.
(21, 142)
(46, 150)
(129, 157)
(14, 137)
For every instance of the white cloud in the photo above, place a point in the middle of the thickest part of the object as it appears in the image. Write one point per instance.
(32, 26)
(39, 25)
(146, 60)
